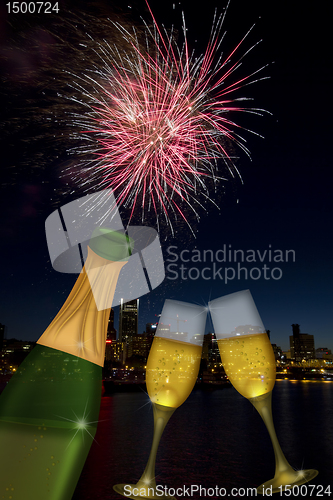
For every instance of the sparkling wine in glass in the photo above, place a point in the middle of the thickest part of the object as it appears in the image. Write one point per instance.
(172, 370)
(249, 362)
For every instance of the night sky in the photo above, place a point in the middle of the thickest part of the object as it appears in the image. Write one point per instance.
(284, 202)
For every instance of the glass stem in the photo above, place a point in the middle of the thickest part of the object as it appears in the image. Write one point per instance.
(263, 405)
(162, 415)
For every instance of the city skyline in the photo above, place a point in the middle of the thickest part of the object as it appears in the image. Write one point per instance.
(141, 325)
(283, 204)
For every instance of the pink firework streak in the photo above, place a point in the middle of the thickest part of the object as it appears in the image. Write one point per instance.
(159, 119)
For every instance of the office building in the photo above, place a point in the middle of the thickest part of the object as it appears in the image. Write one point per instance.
(111, 333)
(151, 328)
(301, 345)
(115, 351)
(324, 353)
(140, 346)
(210, 349)
(277, 352)
(128, 324)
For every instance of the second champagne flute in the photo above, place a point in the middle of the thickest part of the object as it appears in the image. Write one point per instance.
(248, 360)
(172, 370)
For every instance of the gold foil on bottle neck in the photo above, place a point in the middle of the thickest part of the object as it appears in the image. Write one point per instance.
(80, 326)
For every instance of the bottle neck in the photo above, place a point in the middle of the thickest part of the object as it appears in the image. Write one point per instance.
(80, 328)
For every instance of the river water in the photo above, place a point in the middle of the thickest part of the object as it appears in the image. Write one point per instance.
(216, 438)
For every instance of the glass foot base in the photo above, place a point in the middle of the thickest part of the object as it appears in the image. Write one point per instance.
(138, 492)
(286, 480)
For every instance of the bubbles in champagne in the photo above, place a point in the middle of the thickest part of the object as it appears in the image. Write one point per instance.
(172, 370)
(249, 363)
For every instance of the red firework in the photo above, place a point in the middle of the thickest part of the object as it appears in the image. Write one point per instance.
(159, 119)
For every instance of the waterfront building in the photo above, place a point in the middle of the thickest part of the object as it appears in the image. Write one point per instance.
(210, 349)
(13, 353)
(151, 328)
(324, 353)
(163, 328)
(141, 345)
(301, 345)
(205, 346)
(114, 351)
(111, 333)
(128, 324)
(128, 320)
(277, 352)
(249, 329)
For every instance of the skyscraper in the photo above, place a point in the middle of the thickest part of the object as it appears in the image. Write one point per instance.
(111, 333)
(128, 320)
(295, 343)
(301, 345)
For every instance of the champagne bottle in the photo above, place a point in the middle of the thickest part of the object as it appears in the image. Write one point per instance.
(49, 410)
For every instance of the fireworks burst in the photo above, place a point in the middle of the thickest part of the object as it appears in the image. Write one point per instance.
(158, 122)
(150, 119)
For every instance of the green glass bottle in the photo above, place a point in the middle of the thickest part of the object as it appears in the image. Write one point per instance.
(49, 410)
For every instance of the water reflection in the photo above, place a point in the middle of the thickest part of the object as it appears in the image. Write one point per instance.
(217, 439)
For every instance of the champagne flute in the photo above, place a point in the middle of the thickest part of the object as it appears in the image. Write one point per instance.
(172, 370)
(249, 362)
